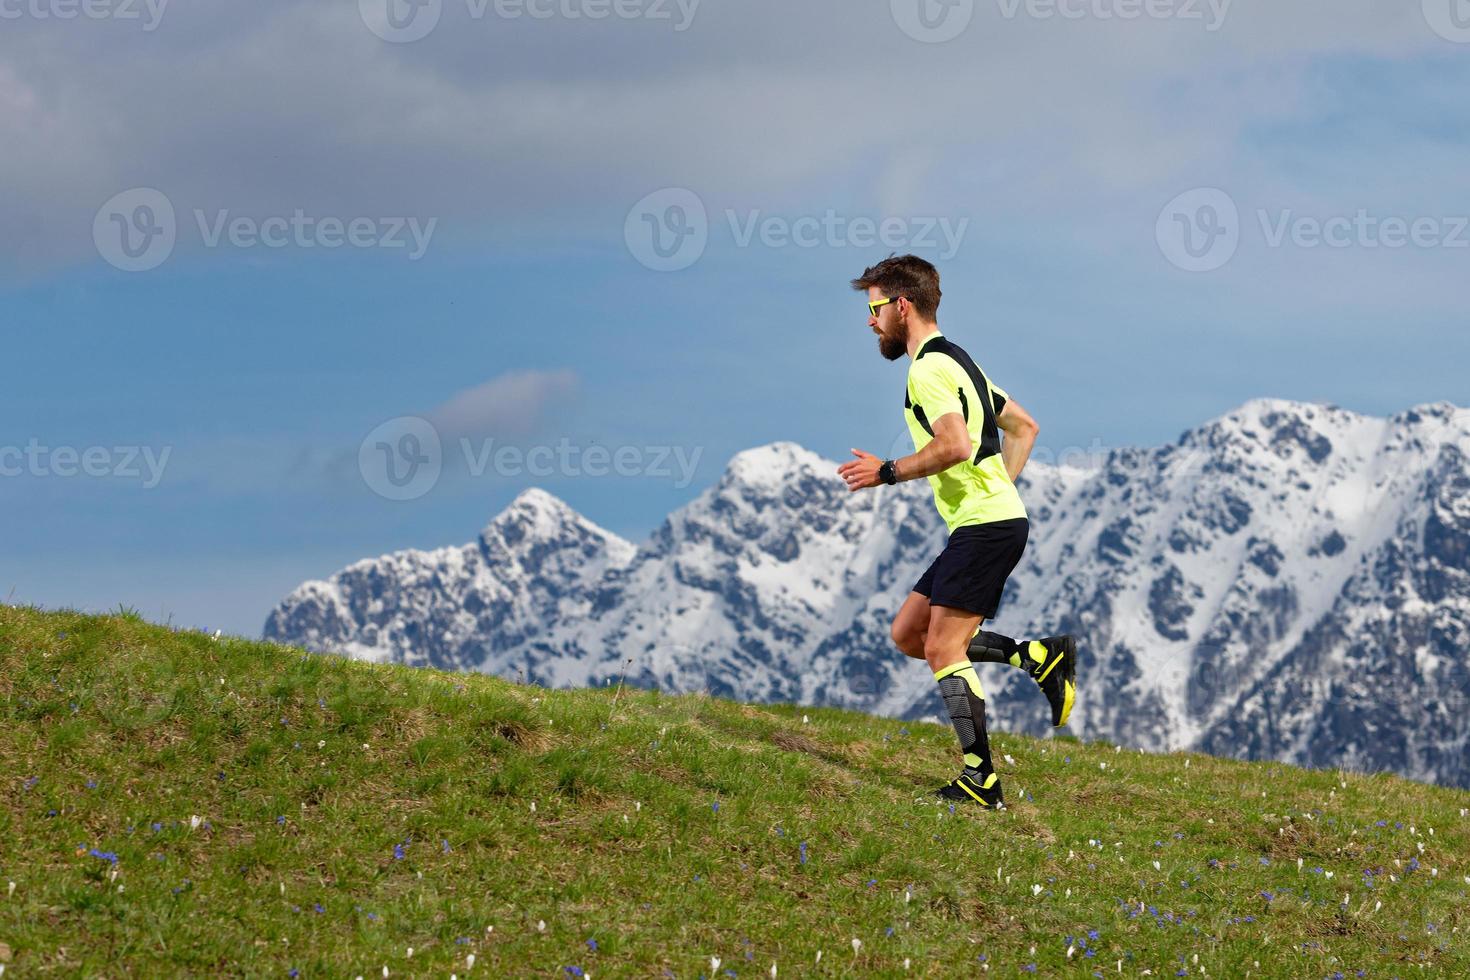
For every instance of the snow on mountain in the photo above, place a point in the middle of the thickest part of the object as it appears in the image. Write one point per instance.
(1288, 581)
(461, 607)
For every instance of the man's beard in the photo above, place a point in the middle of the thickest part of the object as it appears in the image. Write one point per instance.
(894, 346)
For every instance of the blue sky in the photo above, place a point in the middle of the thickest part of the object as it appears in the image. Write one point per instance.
(1055, 145)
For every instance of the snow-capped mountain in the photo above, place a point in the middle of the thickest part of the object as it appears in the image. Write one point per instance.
(1289, 581)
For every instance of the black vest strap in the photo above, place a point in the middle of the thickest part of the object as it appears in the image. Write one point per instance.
(989, 430)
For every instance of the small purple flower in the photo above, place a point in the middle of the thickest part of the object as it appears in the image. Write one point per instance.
(715, 806)
(294, 973)
(317, 908)
(32, 781)
(803, 852)
(281, 819)
(398, 852)
(445, 843)
(574, 971)
(592, 945)
(91, 784)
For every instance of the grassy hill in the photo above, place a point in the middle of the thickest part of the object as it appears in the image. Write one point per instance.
(176, 805)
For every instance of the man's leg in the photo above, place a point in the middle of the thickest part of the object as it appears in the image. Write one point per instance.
(911, 625)
(944, 649)
(1051, 662)
(993, 648)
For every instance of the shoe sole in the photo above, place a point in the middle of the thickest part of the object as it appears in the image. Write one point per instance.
(1068, 655)
(997, 805)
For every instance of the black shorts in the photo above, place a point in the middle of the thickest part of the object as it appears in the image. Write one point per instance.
(971, 572)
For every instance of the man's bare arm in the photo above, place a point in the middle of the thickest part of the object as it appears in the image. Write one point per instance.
(950, 445)
(1020, 429)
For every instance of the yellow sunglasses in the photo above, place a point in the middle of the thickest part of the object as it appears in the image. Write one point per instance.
(874, 306)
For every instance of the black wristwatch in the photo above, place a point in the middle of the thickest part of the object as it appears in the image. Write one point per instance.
(887, 474)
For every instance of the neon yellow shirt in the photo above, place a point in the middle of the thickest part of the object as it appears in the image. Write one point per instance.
(943, 379)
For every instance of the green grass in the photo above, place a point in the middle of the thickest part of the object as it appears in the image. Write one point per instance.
(305, 772)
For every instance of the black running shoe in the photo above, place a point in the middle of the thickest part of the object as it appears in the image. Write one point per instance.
(966, 790)
(1056, 675)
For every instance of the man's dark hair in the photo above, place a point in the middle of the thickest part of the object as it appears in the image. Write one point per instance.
(908, 276)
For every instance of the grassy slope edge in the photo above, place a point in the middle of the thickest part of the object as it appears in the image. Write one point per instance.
(180, 805)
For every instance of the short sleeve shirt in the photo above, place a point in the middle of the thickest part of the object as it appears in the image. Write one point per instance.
(942, 380)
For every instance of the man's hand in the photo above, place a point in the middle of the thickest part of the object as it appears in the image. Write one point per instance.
(862, 472)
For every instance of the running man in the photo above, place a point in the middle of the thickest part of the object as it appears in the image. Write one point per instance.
(955, 416)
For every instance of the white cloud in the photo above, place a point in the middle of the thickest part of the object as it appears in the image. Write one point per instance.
(507, 406)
